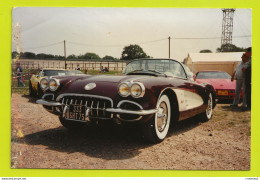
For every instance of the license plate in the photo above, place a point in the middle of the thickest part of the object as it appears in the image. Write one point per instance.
(223, 93)
(77, 112)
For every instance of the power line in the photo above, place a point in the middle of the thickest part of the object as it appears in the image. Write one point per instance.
(120, 45)
(210, 37)
(49, 45)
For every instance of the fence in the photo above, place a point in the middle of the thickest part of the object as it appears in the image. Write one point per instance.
(30, 67)
(84, 65)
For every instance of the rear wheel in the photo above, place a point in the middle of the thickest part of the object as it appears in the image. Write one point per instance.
(156, 129)
(209, 111)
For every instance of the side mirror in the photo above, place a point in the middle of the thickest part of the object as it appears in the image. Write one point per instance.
(194, 77)
(191, 76)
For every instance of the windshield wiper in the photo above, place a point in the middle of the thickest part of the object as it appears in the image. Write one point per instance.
(134, 71)
(145, 71)
(156, 72)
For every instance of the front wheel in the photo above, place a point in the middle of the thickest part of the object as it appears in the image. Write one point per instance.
(71, 125)
(31, 91)
(40, 92)
(156, 129)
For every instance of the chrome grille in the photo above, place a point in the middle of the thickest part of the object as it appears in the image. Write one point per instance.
(96, 105)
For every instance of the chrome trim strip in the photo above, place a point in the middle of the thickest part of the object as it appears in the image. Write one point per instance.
(84, 95)
(127, 101)
(131, 120)
(48, 103)
(140, 112)
(48, 94)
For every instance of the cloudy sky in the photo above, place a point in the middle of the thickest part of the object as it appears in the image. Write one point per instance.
(106, 31)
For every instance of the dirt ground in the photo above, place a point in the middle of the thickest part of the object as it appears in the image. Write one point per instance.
(40, 141)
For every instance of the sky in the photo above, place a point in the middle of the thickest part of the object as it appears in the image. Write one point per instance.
(106, 31)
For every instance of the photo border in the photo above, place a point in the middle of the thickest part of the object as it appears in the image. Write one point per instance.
(5, 86)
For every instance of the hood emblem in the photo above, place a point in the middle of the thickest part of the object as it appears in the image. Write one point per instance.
(90, 86)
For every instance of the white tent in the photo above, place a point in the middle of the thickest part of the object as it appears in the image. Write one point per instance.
(213, 61)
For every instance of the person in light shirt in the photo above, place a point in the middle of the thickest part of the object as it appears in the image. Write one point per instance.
(239, 76)
(247, 72)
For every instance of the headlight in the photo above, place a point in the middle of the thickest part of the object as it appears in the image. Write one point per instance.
(137, 90)
(44, 84)
(54, 84)
(123, 89)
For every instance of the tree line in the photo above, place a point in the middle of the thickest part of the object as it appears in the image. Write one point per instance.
(225, 48)
(129, 52)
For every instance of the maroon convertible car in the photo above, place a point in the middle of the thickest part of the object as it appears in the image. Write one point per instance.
(151, 92)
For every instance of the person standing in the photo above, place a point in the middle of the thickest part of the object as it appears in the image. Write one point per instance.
(77, 68)
(239, 76)
(19, 72)
(247, 72)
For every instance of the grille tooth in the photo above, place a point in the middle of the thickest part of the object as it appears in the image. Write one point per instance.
(104, 107)
(97, 107)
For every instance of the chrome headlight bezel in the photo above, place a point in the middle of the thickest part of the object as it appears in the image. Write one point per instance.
(130, 89)
(141, 88)
(124, 85)
(56, 81)
(44, 84)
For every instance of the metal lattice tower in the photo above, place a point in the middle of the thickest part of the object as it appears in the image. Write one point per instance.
(227, 29)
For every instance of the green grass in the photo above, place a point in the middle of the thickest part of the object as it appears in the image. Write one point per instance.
(20, 90)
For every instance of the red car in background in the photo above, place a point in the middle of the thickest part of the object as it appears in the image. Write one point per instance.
(221, 81)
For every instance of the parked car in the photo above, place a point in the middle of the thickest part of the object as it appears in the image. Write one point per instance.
(221, 81)
(76, 72)
(153, 93)
(34, 82)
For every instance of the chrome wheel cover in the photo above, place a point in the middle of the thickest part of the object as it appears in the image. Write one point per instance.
(162, 116)
(209, 107)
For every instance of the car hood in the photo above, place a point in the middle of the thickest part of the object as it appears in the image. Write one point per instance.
(105, 85)
(219, 83)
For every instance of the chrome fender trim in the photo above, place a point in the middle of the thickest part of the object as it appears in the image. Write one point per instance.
(124, 111)
(48, 103)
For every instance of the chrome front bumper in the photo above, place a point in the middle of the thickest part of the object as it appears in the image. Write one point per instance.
(111, 110)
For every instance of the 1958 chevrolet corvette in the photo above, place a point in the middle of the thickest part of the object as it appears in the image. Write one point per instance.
(151, 92)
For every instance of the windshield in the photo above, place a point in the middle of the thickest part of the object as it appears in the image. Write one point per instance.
(155, 66)
(55, 73)
(75, 72)
(213, 75)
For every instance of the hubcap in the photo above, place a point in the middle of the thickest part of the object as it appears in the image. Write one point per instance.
(162, 116)
(209, 108)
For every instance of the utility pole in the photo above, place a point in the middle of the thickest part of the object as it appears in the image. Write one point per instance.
(169, 47)
(65, 54)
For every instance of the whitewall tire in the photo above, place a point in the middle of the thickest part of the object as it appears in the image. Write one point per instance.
(156, 129)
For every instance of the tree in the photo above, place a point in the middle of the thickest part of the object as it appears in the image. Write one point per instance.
(230, 48)
(14, 54)
(91, 56)
(133, 52)
(28, 55)
(108, 58)
(72, 56)
(205, 51)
